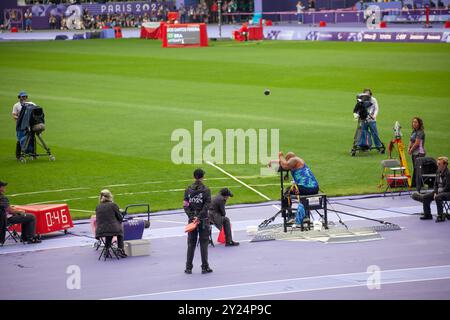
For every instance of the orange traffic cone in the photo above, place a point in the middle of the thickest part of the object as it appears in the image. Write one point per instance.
(221, 237)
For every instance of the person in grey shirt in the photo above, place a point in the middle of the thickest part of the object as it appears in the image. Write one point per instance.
(217, 215)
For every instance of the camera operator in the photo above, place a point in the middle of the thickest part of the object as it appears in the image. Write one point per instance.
(197, 199)
(217, 215)
(372, 121)
(361, 113)
(9, 215)
(17, 108)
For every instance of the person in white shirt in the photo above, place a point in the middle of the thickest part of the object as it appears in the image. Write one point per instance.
(300, 9)
(23, 98)
(372, 121)
(28, 20)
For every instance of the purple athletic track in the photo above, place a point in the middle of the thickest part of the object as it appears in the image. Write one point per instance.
(413, 263)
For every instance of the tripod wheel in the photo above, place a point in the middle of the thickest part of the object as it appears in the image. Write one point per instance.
(22, 160)
(52, 158)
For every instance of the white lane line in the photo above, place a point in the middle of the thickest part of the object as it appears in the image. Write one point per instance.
(332, 287)
(89, 211)
(183, 180)
(130, 184)
(45, 191)
(53, 201)
(178, 110)
(236, 179)
(155, 182)
(243, 183)
(358, 278)
(146, 192)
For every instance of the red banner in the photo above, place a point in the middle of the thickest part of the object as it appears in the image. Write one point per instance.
(151, 30)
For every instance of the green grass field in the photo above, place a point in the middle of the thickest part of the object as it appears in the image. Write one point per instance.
(112, 105)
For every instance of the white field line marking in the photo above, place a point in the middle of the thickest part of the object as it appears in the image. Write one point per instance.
(243, 183)
(130, 184)
(60, 200)
(270, 281)
(144, 192)
(333, 288)
(89, 211)
(177, 110)
(155, 182)
(45, 191)
(183, 180)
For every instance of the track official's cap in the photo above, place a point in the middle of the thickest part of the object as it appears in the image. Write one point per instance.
(226, 192)
(3, 184)
(199, 173)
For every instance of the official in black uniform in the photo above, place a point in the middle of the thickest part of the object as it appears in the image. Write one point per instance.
(217, 215)
(197, 199)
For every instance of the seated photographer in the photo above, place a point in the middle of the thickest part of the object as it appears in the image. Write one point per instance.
(303, 177)
(109, 221)
(217, 215)
(440, 193)
(8, 215)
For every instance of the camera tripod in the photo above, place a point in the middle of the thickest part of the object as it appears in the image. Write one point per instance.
(31, 140)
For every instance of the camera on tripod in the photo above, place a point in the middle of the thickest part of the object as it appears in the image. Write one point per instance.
(363, 97)
(362, 106)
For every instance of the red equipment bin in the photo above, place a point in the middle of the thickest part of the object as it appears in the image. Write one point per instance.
(49, 217)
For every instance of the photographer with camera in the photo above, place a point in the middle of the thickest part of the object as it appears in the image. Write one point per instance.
(372, 121)
(366, 111)
(20, 134)
(197, 199)
(361, 113)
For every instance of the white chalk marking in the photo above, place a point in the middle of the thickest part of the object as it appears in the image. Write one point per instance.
(243, 183)
(143, 192)
(45, 191)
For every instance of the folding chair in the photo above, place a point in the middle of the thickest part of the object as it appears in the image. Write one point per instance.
(394, 175)
(446, 205)
(108, 249)
(12, 234)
